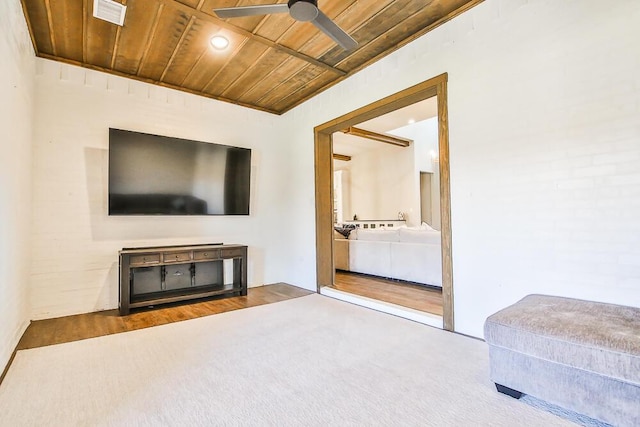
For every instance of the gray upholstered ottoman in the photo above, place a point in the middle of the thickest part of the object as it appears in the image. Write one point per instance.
(580, 355)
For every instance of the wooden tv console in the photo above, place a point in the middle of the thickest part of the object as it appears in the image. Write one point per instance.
(157, 275)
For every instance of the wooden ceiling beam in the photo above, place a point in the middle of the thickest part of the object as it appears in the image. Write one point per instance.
(311, 41)
(276, 87)
(194, 66)
(444, 19)
(266, 76)
(440, 21)
(85, 23)
(116, 43)
(308, 43)
(152, 35)
(25, 11)
(239, 77)
(380, 137)
(342, 157)
(114, 52)
(260, 24)
(177, 48)
(254, 37)
(47, 5)
(221, 69)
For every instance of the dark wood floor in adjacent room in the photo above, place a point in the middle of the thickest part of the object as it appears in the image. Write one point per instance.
(73, 328)
(408, 295)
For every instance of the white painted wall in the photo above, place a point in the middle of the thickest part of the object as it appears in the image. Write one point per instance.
(342, 190)
(544, 111)
(382, 184)
(75, 243)
(425, 142)
(16, 114)
(385, 179)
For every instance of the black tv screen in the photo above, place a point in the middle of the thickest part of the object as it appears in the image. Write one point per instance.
(159, 175)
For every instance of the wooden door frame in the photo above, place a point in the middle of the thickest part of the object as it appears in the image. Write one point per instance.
(325, 270)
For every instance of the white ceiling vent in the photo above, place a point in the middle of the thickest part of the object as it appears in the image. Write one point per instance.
(110, 11)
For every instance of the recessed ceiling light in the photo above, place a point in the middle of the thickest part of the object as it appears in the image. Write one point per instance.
(219, 42)
(412, 121)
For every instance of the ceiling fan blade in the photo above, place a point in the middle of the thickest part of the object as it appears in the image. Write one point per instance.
(331, 29)
(265, 9)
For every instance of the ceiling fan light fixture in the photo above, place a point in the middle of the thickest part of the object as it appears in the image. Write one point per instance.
(299, 10)
(219, 42)
(303, 10)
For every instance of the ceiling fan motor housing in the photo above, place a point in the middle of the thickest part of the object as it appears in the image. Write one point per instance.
(303, 10)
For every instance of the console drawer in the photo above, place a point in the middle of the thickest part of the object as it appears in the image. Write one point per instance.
(206, 254)
(176, 257)
(231, 253)
(177, 277)
(145, 280)
(144, 259)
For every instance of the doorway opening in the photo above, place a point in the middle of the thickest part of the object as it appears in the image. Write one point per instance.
(412, 216)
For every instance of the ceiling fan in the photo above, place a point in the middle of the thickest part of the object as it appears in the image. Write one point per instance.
(300, 10)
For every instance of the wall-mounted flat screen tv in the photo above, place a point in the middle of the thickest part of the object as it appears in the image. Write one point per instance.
(159, 175)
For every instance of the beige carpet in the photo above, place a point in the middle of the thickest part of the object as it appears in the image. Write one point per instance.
(310, 361)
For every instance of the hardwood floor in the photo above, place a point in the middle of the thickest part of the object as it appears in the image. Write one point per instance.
(401, 293)
(73, 328)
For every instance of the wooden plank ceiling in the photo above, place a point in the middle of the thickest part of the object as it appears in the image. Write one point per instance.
(273, 63)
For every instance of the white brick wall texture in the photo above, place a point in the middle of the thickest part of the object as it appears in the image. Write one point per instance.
(16, 105)
(544, 110)
(74, 265)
